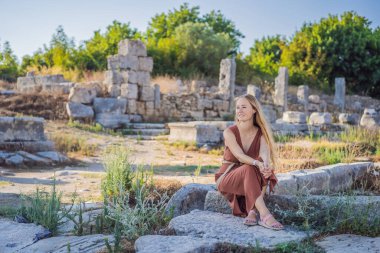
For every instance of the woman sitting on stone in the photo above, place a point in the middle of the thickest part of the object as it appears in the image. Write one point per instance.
(244, 176)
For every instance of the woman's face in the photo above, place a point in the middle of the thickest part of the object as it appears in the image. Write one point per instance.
(244, 110)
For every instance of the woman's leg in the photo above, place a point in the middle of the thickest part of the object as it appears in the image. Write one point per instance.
(262, 208)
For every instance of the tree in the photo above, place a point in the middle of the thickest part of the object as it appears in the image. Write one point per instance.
(8, 63)
(200, 49)
(220, 24)
(92, 55)
(342, 46)
(265, 54)
(163, 25)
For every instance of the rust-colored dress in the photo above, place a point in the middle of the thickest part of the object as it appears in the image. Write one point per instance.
(243, 184)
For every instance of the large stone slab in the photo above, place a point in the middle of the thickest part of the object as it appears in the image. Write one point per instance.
(84, 95)
(146, 64)
(320, 118)
(78, 111)
(113, 121)
(174, 244)
(230, 229)
(15, 236)
(294, 117)
(346, 243)
(132, 47)
(201, 132)
(110, 105)
(189, 197)
(21, 129)
(369, 118)
(28, 146)
(314, 181)
(60, 244)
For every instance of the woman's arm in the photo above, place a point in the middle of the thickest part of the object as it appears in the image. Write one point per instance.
(265, 153)
(234, 147)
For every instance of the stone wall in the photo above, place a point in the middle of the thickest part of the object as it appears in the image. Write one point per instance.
(23, 141)
(38, 83)
(128, 84)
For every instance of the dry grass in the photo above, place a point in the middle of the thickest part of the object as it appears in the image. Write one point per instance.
(167, 83)
(4, 85)
(70, 75)
(68, 143)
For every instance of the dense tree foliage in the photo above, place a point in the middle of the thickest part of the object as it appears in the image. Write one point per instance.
(336, 46)
(8, 63)
(184, 43)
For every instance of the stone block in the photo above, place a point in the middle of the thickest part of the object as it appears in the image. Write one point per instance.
(369, 118)
(143, 78)
(204, 104)
(131, 107)
(54, 156)
(82, 95)
(215, 202)
(110, 105)
(140, 107)
(77, 111)
(112, 121)
(340, 92)
(320, 118)
(218, 105)
(128, 76)
(269, 113)
(188, 198)
(346, 118)
(313, 181)
(114, 91)
(294, 117)
(21, 129)
(157, 96)
(132, 48)
(149, 106)
(146, 93)
(314, 99)
(198, 132)
(28, 146)
(129, 91)
(287, 184)
(112, 77)
(254, 91)
(303, 94)
(281, 88)
(146, 64)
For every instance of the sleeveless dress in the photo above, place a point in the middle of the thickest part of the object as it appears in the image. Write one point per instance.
(243, 184)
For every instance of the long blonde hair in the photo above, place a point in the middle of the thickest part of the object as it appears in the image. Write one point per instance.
(260, 121)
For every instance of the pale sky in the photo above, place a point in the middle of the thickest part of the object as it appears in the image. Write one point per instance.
(27, 24)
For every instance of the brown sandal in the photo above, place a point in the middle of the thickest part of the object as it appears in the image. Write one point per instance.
(275, 226)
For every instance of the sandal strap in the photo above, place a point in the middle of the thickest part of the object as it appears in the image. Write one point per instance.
(266, 217)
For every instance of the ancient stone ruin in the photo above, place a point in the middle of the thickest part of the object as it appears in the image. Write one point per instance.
(23, 142)
(38, 83)
(132, 97)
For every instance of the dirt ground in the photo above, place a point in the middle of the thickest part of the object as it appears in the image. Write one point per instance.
(85, 174)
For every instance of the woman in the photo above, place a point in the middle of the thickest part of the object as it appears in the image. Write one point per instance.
(247, 167)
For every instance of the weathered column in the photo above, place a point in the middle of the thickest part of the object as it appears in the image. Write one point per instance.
(303, 95)
(281, 88)
(227, 79)
(340, 92)
(254, 91)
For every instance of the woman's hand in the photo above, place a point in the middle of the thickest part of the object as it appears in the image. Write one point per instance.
(266, 170)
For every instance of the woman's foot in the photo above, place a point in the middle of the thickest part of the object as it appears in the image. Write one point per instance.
(251, 218)
(268, 221)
